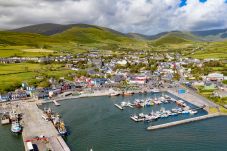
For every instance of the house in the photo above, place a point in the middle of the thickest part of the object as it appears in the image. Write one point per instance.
(4, 97)
(54, 92)
(18, 94)
(137, 80)
(198, 83)
(82, 81)
(215, 77)
(220, 93)
(98, 81)
(117, 78)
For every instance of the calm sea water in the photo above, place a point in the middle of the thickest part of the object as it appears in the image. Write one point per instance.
(96, 123)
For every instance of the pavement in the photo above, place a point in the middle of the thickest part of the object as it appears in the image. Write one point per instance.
(34, 125)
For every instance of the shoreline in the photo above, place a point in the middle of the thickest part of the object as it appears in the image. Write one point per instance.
(186, 97)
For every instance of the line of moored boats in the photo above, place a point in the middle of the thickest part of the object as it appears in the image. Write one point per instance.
(161, 114)
(182, 108)
(140, 103)
(58, 123)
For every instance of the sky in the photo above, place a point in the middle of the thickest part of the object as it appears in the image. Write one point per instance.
(137, 16)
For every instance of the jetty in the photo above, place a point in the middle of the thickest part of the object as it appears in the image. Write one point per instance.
(36, 129)
(193, 98)
(56, 103)
(171, 124)
(118, 106)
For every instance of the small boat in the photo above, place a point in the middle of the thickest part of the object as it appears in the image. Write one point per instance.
(13, 115)
(185, 112)
(114, 94)
(61, 129)
(123, 104)
(5, 119)
(16, 127)
(155, 90)
(127, 94)
(193, 112)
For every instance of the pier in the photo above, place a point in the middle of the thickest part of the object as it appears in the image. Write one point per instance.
(193, 98)
(171, 124)
(34, 126)
(118, 106)
(56, 103)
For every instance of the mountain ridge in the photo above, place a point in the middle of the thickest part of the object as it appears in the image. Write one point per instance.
(52, 29)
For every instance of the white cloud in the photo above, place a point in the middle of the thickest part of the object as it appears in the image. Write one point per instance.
(143, 16)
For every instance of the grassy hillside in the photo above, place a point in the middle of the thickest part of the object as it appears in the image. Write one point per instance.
(169, 39)
(212, 50)
(78, 38)
(30, 39)
(45, 29)
(212, 35)
(90, 35)
(81, 37)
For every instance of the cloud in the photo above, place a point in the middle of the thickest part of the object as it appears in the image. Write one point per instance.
(143, 16)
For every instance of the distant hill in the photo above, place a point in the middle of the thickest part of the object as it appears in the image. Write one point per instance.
(52, 29)
(71, 37)
(206, 35)
(45, 29)
(102, 37)
(92, 35)
(147, 37)
(170, 38)
(212, 35)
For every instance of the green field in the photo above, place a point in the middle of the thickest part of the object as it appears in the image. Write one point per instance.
(212, 50)
(12, 75)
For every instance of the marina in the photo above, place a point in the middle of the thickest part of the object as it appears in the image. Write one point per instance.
(155, 110)
(179, 107)
(110, 123)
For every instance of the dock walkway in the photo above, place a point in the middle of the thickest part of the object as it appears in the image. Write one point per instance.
(34, 125)
(182, 121)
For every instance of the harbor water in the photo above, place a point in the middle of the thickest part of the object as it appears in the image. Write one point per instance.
(96, 123)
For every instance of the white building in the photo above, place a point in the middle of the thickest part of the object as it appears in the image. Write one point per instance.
(215, 77)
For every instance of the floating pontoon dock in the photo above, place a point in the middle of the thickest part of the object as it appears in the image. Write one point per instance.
(118, 106)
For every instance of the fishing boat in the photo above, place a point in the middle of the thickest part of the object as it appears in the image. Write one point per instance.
(13, 115)
(61, 128)
(5, 119)
(16, 127)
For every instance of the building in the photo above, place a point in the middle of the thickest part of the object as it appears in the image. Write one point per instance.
(137, 80)
(220, 93)
(215, 77)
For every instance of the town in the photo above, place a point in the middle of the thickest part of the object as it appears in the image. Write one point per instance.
(106, 70)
